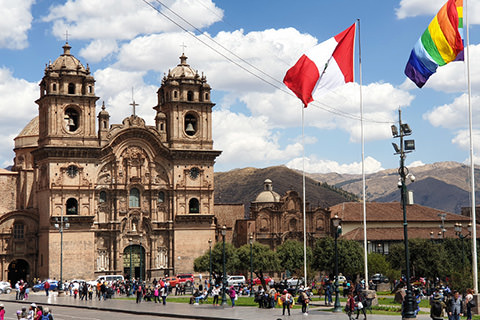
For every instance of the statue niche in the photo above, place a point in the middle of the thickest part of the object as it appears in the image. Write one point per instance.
(134, 160)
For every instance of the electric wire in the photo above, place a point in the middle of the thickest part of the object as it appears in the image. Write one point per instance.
(316, 104)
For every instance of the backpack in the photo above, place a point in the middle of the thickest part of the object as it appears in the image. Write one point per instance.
(46, 317)
(436, 309)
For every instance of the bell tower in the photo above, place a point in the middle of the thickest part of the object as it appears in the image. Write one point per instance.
(67, 103)
(184, 99)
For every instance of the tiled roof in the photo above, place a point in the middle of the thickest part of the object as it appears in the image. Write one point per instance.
(390, 211)
(396, 234)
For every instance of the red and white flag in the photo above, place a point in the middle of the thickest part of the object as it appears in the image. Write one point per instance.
(323, 67)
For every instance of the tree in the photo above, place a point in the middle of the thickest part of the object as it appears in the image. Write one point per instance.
(350, 256)
(377, 263)
(264, 259)
(231, 259)
(290, 254)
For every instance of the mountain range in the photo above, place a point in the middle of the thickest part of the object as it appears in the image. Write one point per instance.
(441, 185)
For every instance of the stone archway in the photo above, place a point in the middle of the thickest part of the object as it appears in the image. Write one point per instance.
(134, 257)
(18, 270)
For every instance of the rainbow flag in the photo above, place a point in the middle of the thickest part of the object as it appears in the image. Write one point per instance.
(440, 44)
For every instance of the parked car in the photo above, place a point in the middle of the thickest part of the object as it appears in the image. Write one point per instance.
(257, 281)
(41, 286)
(292, 282)
(379, 278)
(173, 281)
(236, 280)
(5, 287)
(185, 277)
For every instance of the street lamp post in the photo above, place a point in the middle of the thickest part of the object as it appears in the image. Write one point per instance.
(338, 230)
(130, 245)
(461, 236)
(61, 224)
(224, 277)
(210, 261)
(406, 146)
(250, 240)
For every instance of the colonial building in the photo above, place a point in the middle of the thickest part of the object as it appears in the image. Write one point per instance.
(385, 223)
(128, 197)
(275, 219)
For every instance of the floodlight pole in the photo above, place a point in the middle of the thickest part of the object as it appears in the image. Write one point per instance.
(408, 307)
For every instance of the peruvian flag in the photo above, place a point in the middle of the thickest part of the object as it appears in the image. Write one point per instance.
(323, 67)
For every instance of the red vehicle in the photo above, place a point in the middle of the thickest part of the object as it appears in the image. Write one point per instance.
(257, 281)
(172, 280)
(185, 277)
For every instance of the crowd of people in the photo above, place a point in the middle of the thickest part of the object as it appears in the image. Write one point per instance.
(452, 304)
(34, 312)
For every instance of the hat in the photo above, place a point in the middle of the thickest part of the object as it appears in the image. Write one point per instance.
(437, 296)
(2, 305)
(33, 305)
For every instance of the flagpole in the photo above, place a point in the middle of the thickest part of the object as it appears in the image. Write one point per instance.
(304, 201)
(472, 161)
(365, 249)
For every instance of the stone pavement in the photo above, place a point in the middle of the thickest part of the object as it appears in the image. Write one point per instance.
(182, 310)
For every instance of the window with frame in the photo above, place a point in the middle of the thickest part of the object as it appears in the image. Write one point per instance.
(102, 197)
(72, 206)
(134, 199)
(161, 197)
(194, 206)
(18, 231)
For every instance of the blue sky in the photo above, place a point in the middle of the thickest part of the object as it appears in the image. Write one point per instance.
(128, 44)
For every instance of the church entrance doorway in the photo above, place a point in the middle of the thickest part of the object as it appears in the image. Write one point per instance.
(134, 262)
(18, 270)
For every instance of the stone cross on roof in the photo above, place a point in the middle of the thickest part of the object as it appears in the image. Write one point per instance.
(133, 104)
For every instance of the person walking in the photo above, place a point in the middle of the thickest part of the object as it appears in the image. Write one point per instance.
(2, 311)
(350, 306)
(455, 310)
(233, 295)
(287, 301)
(436, 307)
(139, 293)
(215, 294)
(164, 293)
(46, 286)
(469, 304)
(156, 294)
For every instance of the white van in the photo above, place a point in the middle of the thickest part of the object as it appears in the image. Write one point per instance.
(109, 278)
(235, 280)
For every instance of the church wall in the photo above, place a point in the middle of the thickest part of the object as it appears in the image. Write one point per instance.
(191, 241)
(78, 255)
(8, 194)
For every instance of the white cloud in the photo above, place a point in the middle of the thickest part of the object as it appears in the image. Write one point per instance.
(15, 22)
(462, 139)
(417, 163)
(413, 8)
(115, 88)
(99, 49)
(315, 165)
(246, 140)
(126, 19)
(18, 108)
(455, 114)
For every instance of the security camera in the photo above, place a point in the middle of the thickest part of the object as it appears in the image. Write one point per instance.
(399, 183)
(412, 178)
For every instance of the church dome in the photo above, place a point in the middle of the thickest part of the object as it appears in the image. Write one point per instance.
(268, 195)
(28, 137)
(67, 62)
(183, 70)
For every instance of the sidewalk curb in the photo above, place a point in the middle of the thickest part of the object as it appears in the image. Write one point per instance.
(145, 313)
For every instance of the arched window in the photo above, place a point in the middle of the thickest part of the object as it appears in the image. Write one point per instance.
(71, 88)
(102, 197)
(90, 89)
(175, 94)
(72, 119)
(206, 96)
(54, 87)
(193, 206)
(134, 199)
(161, 197)
(72, 206)
(190, 124)
(190, 95)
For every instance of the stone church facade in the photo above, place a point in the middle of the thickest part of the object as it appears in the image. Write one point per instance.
(130, 196)
(274, 219)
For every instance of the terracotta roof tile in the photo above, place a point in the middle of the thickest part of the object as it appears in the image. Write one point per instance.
(390, 211)
(396, 234)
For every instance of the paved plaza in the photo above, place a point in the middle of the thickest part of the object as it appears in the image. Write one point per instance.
(147, 310)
